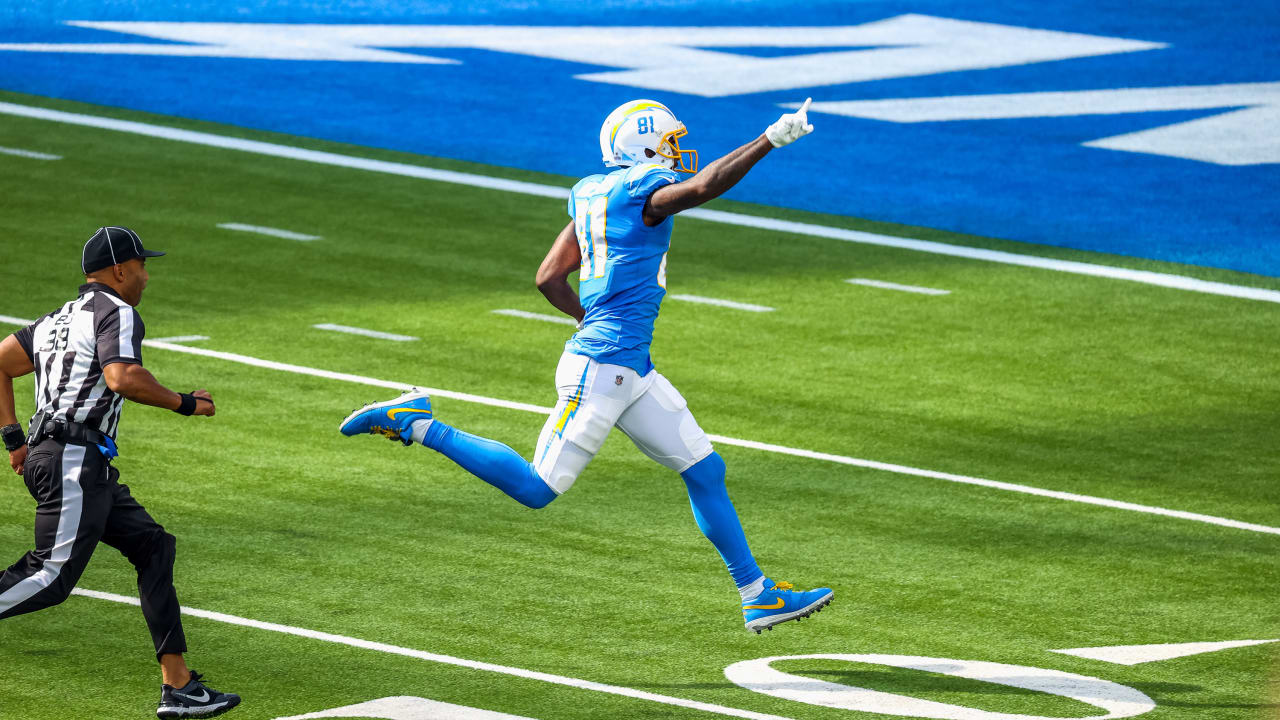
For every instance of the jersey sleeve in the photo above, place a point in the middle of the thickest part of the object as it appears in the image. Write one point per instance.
(26, 338)
(644, 179)
(119, 331)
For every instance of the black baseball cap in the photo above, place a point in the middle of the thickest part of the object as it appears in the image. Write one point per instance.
(112, 245)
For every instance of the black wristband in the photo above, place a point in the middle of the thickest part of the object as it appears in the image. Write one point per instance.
(188, 405)
(14, 438)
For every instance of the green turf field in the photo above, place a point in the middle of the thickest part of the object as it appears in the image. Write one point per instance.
(1111, 389)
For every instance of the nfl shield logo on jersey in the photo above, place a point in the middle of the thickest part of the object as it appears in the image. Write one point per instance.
(617, 380)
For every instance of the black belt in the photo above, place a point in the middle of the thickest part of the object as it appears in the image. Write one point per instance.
(46, 426)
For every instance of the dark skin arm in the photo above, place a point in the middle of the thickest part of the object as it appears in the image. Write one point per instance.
(13, 363)
(710, 183)
(716, 178)
(136, 383)
(553, 275)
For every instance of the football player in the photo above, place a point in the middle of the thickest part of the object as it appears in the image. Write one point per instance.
(617, 240)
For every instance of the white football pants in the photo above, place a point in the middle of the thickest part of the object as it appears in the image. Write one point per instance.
(594, 397)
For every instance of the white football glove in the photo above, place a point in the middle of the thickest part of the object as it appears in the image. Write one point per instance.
(790, 127)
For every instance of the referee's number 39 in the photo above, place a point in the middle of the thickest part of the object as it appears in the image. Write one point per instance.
(59, 335)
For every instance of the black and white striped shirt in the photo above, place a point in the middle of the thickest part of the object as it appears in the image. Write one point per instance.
(70, 346)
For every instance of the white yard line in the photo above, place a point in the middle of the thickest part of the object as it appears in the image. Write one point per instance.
(752, 444)
(19, 152)
(182, 338)
(445, 659)
(558, 319)
(896, 286)
(273, 232)
(367, 333)
(1178, 282)
(722, 303)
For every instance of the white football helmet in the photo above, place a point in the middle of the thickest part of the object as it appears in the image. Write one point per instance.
(645, 131)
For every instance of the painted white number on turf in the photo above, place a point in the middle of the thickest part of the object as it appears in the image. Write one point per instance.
(701, 61)
(1244, 136)
(408, 708)
(690, 60)
(1119, 701)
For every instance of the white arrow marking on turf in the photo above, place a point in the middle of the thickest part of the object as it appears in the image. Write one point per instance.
(1244, 137)
(1137, 654)
(673, 59)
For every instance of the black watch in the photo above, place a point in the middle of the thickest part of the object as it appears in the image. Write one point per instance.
(14, 438)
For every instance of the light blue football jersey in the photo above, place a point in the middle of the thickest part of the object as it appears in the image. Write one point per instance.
(624, 264)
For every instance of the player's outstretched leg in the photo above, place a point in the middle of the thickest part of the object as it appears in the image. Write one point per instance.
(409, 420)
(765, 603)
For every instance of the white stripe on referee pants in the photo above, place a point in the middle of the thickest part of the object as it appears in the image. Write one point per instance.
(64, 540)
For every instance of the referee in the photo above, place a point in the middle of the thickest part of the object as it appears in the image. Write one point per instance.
(87, 359)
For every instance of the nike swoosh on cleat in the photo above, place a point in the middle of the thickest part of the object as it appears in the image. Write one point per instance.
(203, 697)
(774, 606)
(399, 411)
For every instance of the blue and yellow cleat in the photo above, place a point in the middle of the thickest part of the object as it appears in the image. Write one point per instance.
(393, 419)
(780, 602)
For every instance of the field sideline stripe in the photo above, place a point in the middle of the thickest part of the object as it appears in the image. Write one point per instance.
(1179, 282)
(751, 444)
(365, 332)
(558, 319)
(19, 152)
(273, 232)
(444, 659)
(723, 303)
(895, 286)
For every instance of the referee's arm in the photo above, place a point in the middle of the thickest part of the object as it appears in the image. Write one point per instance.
(14, 362)
(136, 383)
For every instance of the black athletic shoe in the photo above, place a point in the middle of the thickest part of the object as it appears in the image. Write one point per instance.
(194, 700)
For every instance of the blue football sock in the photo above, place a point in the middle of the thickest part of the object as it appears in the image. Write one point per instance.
(717, 519)
(492, 462)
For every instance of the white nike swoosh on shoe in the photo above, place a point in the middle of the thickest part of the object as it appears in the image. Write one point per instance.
(202, 697)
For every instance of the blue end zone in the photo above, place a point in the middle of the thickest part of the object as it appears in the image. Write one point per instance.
(1027, 179)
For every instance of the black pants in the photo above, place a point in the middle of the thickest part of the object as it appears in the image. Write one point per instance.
(79, 503)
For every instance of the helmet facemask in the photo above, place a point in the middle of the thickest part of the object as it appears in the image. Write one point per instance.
(669, 148)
